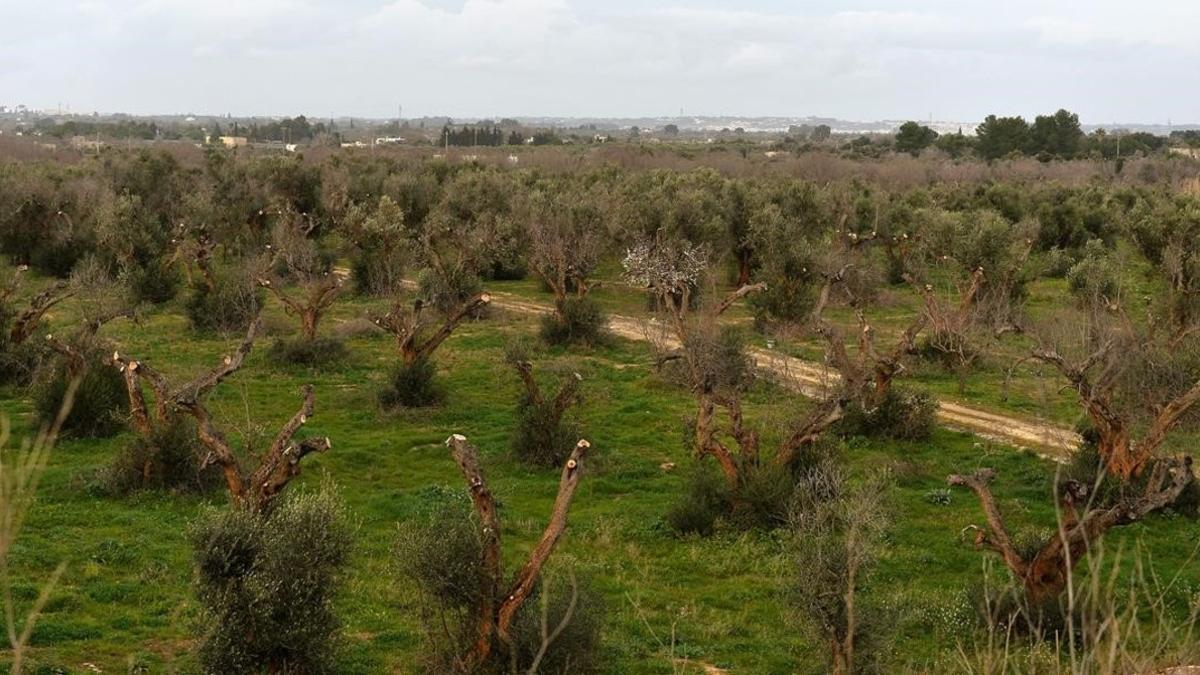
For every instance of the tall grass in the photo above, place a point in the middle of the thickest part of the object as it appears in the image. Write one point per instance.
(21, 470)
(1119, 617)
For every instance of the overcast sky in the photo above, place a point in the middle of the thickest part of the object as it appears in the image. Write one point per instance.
(1108, 60)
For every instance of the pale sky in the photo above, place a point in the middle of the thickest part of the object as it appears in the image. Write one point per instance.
(1108, 60)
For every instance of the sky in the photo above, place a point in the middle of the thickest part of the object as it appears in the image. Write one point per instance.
(957, 60)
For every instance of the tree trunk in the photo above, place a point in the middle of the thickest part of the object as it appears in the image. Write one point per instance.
(840, 665)
(308, 323)
(744, 259)
(1046, 578)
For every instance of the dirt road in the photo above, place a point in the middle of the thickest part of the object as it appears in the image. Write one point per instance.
(814, 379)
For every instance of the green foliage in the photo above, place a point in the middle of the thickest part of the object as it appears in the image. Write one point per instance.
(764, 493)
(1001, 136)
(412, 385)
(778, 232)
(904, 414)
(705, 499)
(230, 305)
(956, 145)
(169, 460)
(100, 402)
(446, 292)
(913, 137)
(578, 321)
(1095, 276)
(440, 551)
(267, 583)
(1058, 135)
(154, 282)
(578, 648)
(1068, 219)
(545, 432)
(380, 246)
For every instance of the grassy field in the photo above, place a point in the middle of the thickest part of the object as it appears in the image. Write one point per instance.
(127, 599)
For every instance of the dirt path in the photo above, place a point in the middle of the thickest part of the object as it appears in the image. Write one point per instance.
(814, 379)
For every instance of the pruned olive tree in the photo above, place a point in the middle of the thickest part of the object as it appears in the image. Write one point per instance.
(490, 637)
(566, 241)
(866, 374)
(1135, 391)
(717, 370)
(418, 335)
(19, 325)
(268, 568)
(1167, 231)
(296, 257)
(955, 327)
(1045, 573)
(250, 487)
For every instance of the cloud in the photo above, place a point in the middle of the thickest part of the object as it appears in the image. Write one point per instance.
(877, 58)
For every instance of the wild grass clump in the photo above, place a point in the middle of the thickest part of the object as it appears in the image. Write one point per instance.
(412, 385)
(904, 414)
(168, 460)
(267, 583)
(577, 321)
(301, 352)
(100, 402)
(705, 499)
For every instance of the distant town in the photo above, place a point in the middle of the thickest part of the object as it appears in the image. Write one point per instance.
(991, 138)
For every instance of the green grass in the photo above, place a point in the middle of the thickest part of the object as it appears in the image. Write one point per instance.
(127, 590)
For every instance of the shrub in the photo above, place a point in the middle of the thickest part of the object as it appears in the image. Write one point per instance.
(705, 498)
(721, 358)
(446, 292)
(440, 551)
(155, 283)
(764, 494)
(377, 272)
(17, 364)
(412, 385)
(267, 583)
(938, 496)
(576, 649)
(315, 352)
(1095, 276)
(544, 436)
(169, 460)
(231, 304)
(904, 414)
(579, 321)
(100, 402)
